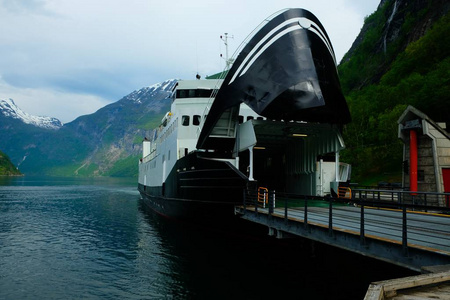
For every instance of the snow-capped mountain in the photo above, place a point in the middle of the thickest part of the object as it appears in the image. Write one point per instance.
(160, 90)
(9, 109)
(105, 143)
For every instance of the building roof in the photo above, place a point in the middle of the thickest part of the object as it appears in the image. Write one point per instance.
(412, 113)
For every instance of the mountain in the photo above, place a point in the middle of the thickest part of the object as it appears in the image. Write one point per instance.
(6, 167)
(105, 143)
(10, 110)
(401, 57)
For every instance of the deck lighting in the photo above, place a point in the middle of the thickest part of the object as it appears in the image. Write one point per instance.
(260, 148)
(299, 135)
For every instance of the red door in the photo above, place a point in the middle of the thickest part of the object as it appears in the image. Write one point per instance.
(446, 177)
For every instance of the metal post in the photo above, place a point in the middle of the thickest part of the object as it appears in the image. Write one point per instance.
(404, 233)
(286, 210)
(245, 199)
(250, 176)
(425, 201)
(337, 166)
(270, 202)
(306, 213)
(256, 202)
(273, 200)
(361, 232)
(265, 195)
(330, 218)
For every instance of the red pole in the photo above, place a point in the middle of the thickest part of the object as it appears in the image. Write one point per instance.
(413, 161)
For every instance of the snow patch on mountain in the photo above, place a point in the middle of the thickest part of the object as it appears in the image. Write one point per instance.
(161, 88)
(9, 109)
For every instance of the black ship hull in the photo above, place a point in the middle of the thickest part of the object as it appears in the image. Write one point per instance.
(198, 190)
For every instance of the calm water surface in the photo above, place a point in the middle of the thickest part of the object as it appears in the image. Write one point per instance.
(94, 239)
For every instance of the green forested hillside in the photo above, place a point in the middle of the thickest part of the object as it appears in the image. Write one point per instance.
(380, 82)
(6, 167)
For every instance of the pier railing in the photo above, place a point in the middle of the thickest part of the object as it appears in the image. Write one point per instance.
(400, 221)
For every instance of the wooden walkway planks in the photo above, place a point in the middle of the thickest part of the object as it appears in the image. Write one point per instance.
(427, 286)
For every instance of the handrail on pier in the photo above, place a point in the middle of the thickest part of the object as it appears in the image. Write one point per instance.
(400, 219)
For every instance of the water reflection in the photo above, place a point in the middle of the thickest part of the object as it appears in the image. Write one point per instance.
(207, 264)
(85, 239)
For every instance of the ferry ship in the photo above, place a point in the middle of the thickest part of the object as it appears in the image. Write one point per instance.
(273, 121)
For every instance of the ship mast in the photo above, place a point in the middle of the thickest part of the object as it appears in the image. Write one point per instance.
(228, 61)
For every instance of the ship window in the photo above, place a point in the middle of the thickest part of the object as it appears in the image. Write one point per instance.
(194, 93)
(182, 93)
(241, 119)
(185, 120)
(260, 118)
(168, 155)
(196, 120)
(249, 118)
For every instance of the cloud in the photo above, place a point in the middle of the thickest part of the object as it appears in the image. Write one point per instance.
(25, 6)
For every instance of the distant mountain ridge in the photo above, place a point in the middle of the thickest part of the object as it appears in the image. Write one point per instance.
(9, 109)
(105, 143)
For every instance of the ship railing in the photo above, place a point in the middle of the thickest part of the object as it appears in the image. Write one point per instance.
(398, 224)
(344, 192)
(149, 157)
(393, 197)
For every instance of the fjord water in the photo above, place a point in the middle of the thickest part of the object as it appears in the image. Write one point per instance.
(94, 239)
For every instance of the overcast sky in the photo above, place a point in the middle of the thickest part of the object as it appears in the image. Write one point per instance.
(66, 58)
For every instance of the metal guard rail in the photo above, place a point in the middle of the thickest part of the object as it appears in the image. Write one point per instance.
(360, 199)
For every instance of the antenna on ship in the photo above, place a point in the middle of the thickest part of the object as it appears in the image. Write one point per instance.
(196, 53)
(228, 61)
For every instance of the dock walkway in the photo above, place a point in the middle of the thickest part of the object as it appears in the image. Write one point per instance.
(406, 238)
